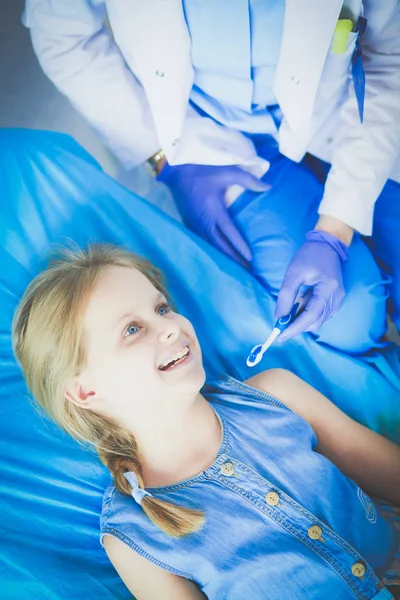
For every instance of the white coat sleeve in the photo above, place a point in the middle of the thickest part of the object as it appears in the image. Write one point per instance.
(76, 51)
(364, 154)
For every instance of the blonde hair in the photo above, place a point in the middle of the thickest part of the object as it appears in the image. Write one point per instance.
(47, 340)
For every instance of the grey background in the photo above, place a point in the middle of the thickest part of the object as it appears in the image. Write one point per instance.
(27, 97)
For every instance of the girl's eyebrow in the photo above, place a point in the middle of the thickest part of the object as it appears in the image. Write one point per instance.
(129, 314)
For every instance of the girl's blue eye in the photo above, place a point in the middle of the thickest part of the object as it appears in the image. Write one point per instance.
(163, 309)
(131, 330)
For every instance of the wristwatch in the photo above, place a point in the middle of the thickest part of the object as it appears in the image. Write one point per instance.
(156, 162)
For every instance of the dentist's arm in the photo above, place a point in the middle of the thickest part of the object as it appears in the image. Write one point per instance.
(364, 154)
(362, 161)
(76, 51)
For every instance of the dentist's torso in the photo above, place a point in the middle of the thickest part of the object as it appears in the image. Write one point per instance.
(309, 84)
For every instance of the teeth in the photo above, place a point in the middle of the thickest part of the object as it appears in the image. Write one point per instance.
(179, 354)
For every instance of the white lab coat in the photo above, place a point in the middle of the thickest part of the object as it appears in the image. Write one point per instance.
(134, 89)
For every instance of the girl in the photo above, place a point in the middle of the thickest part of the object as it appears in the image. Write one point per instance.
(246, 490)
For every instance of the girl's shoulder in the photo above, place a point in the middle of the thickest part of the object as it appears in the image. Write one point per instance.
(257, 402)
(252, 393)
(121, 516)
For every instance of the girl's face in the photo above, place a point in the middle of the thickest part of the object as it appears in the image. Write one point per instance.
(142, 359)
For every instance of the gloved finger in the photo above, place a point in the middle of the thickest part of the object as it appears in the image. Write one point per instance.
(218, 239)
(235, 238)
(287, 294)
(314, 315)
(249, 181)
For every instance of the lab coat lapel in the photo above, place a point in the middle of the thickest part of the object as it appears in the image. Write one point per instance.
(307, 34)
(156, 45)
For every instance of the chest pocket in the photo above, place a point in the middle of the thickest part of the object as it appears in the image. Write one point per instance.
(335, 80)
(337, 67)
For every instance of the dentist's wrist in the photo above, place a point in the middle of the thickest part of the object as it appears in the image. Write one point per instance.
(157, 162)
(335, 227)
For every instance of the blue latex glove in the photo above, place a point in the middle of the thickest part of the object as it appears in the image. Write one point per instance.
(317, 264)
(199, 191)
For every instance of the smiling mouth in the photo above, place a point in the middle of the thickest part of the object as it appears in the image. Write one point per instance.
(176, 360)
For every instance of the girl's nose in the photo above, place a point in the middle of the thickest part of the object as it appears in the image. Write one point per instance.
(169, 331)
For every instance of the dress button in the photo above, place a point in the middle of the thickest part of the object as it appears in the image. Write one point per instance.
(358, 570)
(160, 73)
(315, 532)
(228, 469)
(272, 498)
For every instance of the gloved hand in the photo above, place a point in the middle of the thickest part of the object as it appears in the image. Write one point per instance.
(318, 264)
(199, 191)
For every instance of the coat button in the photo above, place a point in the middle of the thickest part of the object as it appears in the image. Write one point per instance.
(295, 79)
(272, 498)
(228, 469)
(315, 532)
(358, 570)
(160, 73)
(176, 142)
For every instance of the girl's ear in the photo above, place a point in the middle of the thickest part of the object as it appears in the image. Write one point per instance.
(79, 394)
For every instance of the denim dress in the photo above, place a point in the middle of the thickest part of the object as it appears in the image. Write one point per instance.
(281, 520)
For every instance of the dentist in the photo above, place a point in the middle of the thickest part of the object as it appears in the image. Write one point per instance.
(197, 87)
